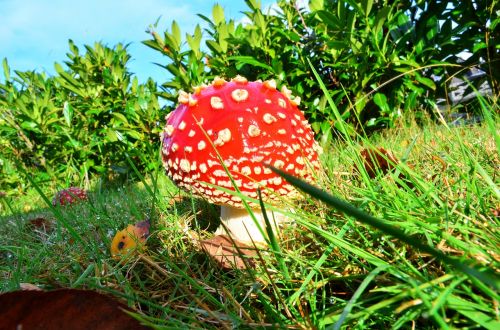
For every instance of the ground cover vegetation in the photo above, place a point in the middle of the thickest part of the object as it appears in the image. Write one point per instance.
(370, 75)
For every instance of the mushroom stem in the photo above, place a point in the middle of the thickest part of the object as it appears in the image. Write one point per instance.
(240, 225)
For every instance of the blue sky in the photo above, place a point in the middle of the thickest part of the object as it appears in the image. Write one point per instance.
(34, 34)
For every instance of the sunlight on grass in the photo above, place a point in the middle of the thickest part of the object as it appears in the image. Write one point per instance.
(327, 270)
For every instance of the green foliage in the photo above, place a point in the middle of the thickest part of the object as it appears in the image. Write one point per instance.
(79, 122)
(376, 57)
(475, 26)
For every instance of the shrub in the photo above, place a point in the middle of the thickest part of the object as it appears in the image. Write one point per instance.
(81, 121)
(376, 57)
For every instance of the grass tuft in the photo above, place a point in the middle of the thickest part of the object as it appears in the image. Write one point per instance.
(431, 261)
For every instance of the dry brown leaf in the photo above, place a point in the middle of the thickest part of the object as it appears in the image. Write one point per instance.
(441, 161)
(227, 254)
(381, 159)
(64, 309)
(176, 199)
(41, 223)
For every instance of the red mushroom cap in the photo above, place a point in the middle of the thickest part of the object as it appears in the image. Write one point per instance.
(69, 196)
(248, 124)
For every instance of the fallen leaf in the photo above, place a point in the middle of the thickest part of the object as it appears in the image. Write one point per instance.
(29, 287)
(441, 161)
(176, 199)
(130, 239)
(64, 309)
(227, 254)
(40, 223)
(377, 161)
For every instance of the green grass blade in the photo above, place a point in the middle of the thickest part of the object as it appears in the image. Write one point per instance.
(488, 278)
(55, 210)
(88, 271)
(344, 129)
(343, 244)
(489, 115)
(140, 176)
(471, 311)
(275, 247)
(333, 317)
(296, 295)
(356, 295)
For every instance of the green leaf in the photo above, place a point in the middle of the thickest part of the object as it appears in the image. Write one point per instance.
(134, 134)
(223, 35)
(176, 35)
(143, 103)
(494, 24)
(242, 60)
(194, 41)
(114, 135)
(330, 19)
(218, 14)
(259, 21)
(425, 81)
(337, 44)
(315, 5)
(68, 113)
(446, 28)
(74, 143)
(432, 27)
(419, 47)
(119, 119)
(411, 101)
(68, 81)
(154, 45)
(381, 100)
(30, 126)
(253, 4)
(214, 46)
(381, 18)
(353, 4)
(479, 46)
(59, 68)
(197, 33)
(367, 6)
(72, 47)
(6, 69)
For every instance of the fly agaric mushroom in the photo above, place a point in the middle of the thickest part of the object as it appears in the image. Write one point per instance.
(246, 124)
(69, 196)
